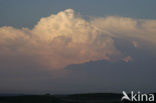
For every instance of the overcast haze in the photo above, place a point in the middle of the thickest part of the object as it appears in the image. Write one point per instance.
(77, 46)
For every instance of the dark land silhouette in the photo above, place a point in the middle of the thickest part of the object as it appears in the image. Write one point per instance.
(74, 98)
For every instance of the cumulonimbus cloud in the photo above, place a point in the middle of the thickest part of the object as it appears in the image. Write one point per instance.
(66, 38)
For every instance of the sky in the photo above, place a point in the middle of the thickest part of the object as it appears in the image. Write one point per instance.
(58, 47)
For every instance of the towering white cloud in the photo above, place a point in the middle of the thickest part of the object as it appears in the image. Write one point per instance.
(66, 38)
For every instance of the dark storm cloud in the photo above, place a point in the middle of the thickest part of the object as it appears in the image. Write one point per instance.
(64, 52)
